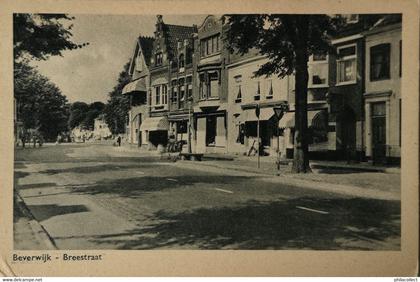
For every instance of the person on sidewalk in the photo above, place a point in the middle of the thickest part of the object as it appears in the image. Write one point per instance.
(119, 140)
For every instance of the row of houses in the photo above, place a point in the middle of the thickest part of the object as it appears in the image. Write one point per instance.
(184, 75)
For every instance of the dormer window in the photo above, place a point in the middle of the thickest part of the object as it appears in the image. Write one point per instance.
(159, 58)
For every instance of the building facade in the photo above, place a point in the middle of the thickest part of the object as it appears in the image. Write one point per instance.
(210, 116)
(172, 47)
(246, 93)
(137, 90)
(382, 97)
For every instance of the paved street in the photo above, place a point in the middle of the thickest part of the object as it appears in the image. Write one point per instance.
(96, 196)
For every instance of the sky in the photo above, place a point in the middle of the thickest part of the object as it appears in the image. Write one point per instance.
(90, 73)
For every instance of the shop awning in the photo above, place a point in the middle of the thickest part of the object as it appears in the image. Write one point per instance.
(316, 119)
(265, 114)
(137, 85)
(154, 124)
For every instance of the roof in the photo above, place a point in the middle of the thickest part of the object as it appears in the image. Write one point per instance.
(146, 44)
(177, 33)
(387, 20)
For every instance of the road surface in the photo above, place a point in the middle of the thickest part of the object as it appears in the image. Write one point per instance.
(96, 196)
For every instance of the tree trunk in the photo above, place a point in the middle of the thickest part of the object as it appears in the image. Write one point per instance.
(300, 154)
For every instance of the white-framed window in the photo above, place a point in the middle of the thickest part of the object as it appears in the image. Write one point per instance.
(318, 70)
(161, 94)
(347, 64)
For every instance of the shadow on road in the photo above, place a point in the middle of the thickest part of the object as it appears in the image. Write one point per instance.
(136, 186)
(356, 223)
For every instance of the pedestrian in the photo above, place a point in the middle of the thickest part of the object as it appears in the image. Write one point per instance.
(119, 140)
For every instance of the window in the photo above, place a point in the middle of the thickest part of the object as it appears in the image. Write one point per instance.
(318, 70)
(239, 95)
(174, 90)
(164, 94)
(157, 95)
(270, 90)
(202, 87)
(379, 62)
(210, 45)
(213, 84)
(181, 61)
(189, 87)
(188, 59)
(181, 93)
(346, 64)
(159, 58)
(257, 92)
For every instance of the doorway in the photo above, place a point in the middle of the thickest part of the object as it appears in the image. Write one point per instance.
(378, 132)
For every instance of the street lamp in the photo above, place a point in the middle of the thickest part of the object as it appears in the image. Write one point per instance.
(279, 112)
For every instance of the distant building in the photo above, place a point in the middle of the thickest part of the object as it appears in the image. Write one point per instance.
(101, 130)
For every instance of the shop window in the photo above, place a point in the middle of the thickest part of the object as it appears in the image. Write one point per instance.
(379, 62)
(346, 64)
(181, 127)
(211, 130)
(257, 95)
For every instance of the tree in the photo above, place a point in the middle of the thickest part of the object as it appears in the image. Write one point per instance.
(84, 115)
(78, 112)
(40, 102)
(287, 41)
(39, 36)
(118, 105)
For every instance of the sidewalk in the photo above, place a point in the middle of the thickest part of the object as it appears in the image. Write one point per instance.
(28, 233)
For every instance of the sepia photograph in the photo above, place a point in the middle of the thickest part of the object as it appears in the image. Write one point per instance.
(242, 131)
(181, 138)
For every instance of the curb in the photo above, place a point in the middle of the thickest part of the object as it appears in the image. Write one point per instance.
(39, 231)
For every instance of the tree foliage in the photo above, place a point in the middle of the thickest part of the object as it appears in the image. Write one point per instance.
(39, 36)
(84, 115)
(118, 105)
(40, 103)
